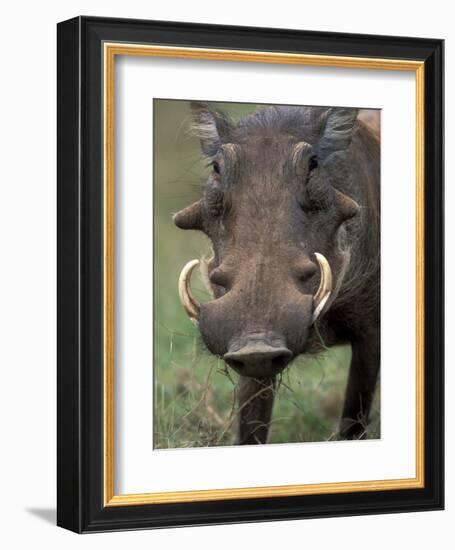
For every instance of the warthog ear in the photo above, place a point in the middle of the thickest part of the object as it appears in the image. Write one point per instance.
(190, 217)
(337, 125)
(211, 126)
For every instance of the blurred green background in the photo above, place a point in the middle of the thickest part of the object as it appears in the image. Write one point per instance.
(195, 394)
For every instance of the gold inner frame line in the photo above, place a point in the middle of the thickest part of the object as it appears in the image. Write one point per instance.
(110, 50)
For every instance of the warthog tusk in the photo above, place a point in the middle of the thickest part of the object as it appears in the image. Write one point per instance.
(325, 286)
(189, 302)
(204, 270)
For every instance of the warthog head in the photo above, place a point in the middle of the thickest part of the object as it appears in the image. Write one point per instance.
(276, 222)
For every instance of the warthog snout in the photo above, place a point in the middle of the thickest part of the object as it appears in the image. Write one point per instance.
(258, 359)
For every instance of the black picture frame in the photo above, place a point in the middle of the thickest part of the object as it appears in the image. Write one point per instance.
(80, 474)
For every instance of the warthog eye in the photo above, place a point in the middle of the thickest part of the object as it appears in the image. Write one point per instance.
(214, 201)
(313, 163)
(216, 167)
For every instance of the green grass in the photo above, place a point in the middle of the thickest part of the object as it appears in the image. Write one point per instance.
(194, 392)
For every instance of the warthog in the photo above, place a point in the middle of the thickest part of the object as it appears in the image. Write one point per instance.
(291, 207)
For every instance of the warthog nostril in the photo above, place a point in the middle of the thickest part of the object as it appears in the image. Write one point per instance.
(258, 360)
(233, 363)
(280, 361)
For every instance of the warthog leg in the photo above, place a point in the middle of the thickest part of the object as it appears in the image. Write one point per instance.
(361, 386)
(255, 409)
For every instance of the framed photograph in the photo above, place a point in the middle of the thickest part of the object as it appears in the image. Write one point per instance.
(250, 274)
